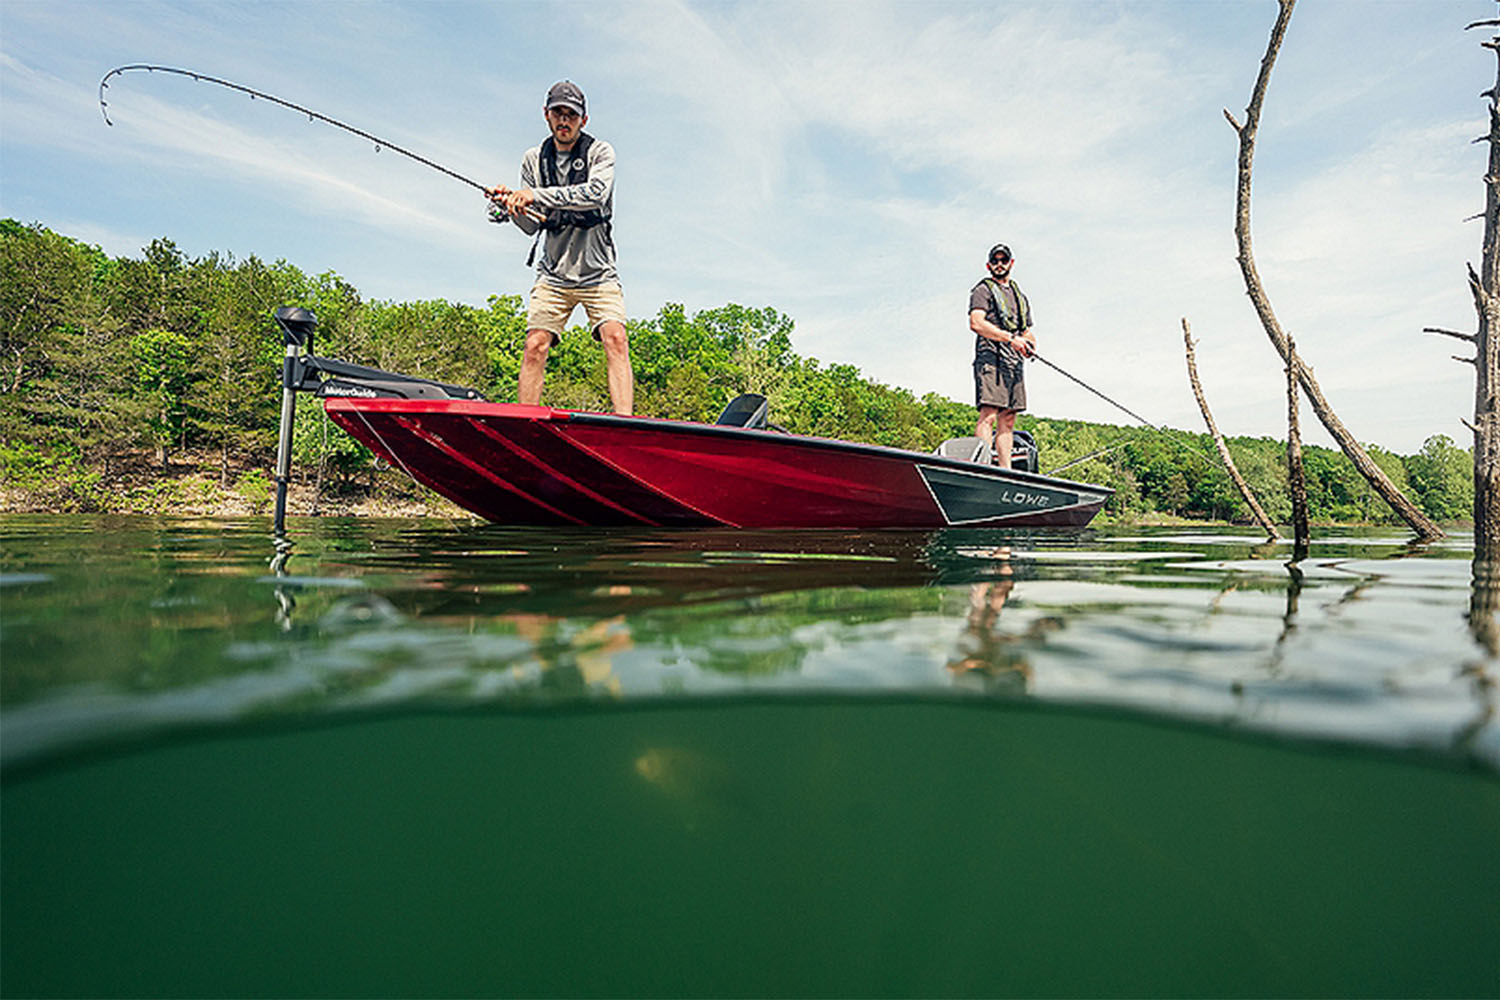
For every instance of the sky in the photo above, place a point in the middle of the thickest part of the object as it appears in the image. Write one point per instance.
(848, 163)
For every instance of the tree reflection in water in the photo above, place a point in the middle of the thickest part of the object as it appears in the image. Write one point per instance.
(1484, 599)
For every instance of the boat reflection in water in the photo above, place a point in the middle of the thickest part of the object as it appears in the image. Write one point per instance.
(577, 601)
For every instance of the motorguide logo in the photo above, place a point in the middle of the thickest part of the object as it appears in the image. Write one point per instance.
(336, 388)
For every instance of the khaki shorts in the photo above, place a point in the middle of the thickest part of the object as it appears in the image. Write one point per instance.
(1002, 386)
(551, 306)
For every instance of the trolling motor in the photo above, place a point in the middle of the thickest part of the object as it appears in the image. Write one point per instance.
(303, 371)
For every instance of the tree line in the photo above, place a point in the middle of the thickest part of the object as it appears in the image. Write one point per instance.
(105, 359)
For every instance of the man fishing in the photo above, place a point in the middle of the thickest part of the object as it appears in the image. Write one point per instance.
(570, 177)
(1000, 317)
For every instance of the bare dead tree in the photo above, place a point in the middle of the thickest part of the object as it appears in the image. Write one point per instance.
(1485, 287)
(1224, 456)
(1423, 525)
(1296, 479)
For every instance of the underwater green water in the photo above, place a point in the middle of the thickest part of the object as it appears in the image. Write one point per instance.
(445, 760)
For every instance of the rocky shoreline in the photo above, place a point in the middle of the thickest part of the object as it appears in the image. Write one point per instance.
(195, 486)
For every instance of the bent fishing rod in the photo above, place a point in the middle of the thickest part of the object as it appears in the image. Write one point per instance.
(311, 116)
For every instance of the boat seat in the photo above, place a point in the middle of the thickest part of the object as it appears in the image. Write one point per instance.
(750, 409)
(1023, 451)
(965, 449)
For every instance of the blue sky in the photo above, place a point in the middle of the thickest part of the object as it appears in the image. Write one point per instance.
(848, 163)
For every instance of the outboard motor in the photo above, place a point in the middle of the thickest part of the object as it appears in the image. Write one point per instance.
(1024, 454)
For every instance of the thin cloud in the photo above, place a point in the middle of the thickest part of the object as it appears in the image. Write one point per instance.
(847, 164)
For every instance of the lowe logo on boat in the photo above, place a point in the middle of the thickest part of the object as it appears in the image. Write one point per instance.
(1022, 499)
(965, 497)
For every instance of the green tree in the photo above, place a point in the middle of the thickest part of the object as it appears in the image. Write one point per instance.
(67, 377)
(1442, 477)
(163, 367)
(235, 396)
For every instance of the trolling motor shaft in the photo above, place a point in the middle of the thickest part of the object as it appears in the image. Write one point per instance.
(303, 371)
(297, 327)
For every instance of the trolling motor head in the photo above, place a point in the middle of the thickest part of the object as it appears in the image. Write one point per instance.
(297, 326)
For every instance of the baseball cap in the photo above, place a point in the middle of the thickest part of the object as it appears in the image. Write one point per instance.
(566, 94)
(1000, 250)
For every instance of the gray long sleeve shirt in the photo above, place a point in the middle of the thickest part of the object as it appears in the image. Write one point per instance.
(574, 257)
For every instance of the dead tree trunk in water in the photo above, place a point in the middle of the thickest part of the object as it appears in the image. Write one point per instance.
(1378, 480)
(1485, 288)
(1208, 418)
(1484, 595)
(1296, 479)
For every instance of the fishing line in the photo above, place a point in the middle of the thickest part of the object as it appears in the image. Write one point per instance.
(1196, 449)
(1092, 455)
(1096, 392)
(311, 114)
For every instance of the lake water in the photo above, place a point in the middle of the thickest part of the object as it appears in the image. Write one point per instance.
(432, 758)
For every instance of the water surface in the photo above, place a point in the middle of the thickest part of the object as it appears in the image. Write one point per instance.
(451, 759)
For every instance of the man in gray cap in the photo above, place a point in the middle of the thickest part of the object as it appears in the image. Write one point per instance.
(570, 179)
(1000, 316)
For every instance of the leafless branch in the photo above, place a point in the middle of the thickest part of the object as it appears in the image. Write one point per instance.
(1423, 525)
(1296, 477)
(1234, 473)
(1470, 337)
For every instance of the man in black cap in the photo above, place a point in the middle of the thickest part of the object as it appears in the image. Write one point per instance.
(1000, 317)
(570, 178)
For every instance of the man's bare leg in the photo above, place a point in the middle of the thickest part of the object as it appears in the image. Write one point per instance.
(617, 366)
(1005, 426)
(534, 366)
(985, 429)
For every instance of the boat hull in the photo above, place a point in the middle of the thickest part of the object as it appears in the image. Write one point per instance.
(516, 464)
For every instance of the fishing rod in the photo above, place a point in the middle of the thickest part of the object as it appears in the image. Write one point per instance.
(311, 116)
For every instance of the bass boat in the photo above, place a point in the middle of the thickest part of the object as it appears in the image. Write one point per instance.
(538, 465)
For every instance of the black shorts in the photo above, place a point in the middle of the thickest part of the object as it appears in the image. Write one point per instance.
(1001, 385)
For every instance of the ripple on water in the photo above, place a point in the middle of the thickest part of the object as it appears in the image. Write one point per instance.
(1365, 641)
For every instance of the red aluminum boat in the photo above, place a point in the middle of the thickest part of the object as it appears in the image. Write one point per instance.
(517, 464)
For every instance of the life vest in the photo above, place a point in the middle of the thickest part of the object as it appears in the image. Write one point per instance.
(1010, 322)
(578, 172)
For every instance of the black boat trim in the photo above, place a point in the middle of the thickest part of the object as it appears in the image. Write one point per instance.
(970, 497)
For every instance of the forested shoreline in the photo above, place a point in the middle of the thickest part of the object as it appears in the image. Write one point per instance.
(128, 382)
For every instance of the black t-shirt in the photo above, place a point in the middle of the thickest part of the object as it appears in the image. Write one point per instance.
(987, 351)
